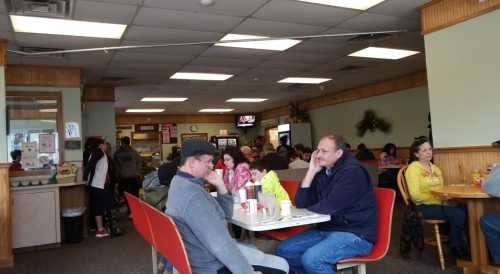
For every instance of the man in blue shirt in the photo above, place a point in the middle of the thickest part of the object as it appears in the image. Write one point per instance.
(490, 223)
(335, 184)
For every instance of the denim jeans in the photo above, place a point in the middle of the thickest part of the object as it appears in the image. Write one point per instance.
(490, 225)
(254, 256)
(455, 216)
(316, 251)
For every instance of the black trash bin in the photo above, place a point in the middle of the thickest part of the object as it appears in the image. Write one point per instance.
(73, 225)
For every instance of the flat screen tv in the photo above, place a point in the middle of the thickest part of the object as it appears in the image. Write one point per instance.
(245, 120)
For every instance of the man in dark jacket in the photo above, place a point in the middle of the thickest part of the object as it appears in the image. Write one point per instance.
(335, 184)
(128, 164)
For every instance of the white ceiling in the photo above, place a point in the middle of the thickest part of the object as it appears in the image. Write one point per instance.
(146, 72)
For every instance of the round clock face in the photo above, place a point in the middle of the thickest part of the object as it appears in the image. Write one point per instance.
(194, 128)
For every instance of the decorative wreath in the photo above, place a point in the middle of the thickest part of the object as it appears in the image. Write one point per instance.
(371, 122)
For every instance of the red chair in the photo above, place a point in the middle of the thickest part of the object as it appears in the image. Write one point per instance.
(291, 187)
(168, 239)
(139, 218)
(385, 203)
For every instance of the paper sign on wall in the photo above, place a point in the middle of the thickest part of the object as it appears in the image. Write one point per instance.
(72, 130)
(47, 143)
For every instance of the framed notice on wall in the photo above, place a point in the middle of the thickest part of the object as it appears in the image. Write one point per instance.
(187, 136)
(47, 143)
(168, 133)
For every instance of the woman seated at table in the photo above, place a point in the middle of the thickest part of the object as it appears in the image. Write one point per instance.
(421, 175)
(388, 166)
(268, 179)
(237, 172)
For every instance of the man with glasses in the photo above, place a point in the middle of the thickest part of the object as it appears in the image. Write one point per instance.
(202, 219)
(335, 184)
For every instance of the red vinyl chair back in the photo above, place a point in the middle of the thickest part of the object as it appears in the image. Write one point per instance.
(385, 204)
(139, 219)
(291, 187)
(168, 239)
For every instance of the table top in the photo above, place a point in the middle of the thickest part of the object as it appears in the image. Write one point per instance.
(259, 222)
(460, 191)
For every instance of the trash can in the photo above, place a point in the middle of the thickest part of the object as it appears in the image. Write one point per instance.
(73, 224)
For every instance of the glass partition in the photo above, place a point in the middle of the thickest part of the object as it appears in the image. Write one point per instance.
(34, 122)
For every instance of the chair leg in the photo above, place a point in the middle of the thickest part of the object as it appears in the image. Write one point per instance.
(361, 269)
(154, 258)
(439, 246)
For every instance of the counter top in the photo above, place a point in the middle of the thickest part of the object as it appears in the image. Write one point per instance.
(47, 186)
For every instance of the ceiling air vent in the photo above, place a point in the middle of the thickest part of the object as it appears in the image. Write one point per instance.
(47, 8)
(370, 37)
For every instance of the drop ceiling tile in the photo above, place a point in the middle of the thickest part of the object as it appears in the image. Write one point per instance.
(225, 62)
(406, 8)
(166, 35)
(5, 22)
(104, 12)
(185, 20)
(229, 52)
(152, 68)
(211, 69)
(191, 50)
(150, 58)
(240, 8)
(123, 2)
(300, 57)
(304, 13)
(276, 29)
(379, 22)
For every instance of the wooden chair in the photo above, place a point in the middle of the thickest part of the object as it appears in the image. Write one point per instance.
(291, 187)
(385, 204)
(168, 240)
(405, 193)
(142, 225)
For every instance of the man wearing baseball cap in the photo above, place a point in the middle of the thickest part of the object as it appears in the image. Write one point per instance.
(202, 219)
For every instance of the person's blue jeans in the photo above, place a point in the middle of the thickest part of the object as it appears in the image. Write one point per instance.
(316, 251)
(490, 225)
(455, 216)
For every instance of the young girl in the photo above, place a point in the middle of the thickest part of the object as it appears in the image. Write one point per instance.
(268, 179)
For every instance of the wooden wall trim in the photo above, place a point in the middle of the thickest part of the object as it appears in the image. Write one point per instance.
(99, 93)
(440, 14)
(124, 119)
(393, 85)
(6, 256)
(23, 75)
(3, 51)
(471, 149)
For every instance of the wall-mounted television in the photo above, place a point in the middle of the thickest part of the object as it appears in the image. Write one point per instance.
(245, 120)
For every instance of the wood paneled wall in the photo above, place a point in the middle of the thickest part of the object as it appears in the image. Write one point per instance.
(3, 49)
(458, 163)
(6, 257)
(42, 76)
(123, 119)
(99, 93)
(393, 85)
(439, 14)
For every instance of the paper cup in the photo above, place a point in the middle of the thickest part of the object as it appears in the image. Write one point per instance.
(219, 172)
(243, 195)
(286, 208)
(252, 206)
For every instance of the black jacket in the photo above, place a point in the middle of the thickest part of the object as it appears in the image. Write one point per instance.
(94, 157)
(346, 195)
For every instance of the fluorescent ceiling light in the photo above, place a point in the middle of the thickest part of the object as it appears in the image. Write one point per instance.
(280, 44)
(350, 4)
(201, 76)
(164, 99)
(66, 27)
(48, 110)
(383, 53)
(304, 80)
(145, 110)
(216, 110)
(246, 100)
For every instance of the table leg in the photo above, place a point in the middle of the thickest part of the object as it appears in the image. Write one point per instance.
(474, 265)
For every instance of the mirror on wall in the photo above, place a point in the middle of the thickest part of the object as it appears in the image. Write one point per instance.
(34, 123)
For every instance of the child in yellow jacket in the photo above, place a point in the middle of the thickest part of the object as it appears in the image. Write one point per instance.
(268, 179)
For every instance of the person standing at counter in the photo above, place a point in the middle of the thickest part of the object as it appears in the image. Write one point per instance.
(100, 172)
(128, 164)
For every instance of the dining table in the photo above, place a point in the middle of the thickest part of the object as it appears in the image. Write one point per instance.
(260, 221)
(474, 197)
